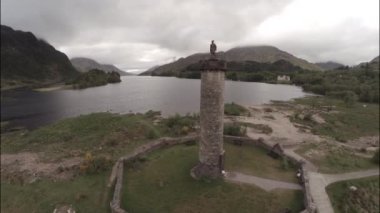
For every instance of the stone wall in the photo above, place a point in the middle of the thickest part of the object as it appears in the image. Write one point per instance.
(116, 177)
(308, 201)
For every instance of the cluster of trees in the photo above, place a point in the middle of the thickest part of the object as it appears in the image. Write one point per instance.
(348, 85)
(96, 77)
(250, 71)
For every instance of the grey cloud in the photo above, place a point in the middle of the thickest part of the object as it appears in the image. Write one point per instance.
(140, 34)
(350, 43)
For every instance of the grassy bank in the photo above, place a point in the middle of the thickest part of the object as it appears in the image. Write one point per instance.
(342, 122)
(162, 183)
(253, 160)
(85, 193)
(95, 138)
(97, 133)
(234, 109)
(364, 199)
(334, 159)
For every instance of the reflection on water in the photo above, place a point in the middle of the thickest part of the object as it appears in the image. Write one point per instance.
(133, 94)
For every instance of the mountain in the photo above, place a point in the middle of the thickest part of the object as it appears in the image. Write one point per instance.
(375, 60)
(371, 65)
(28, 60)
(330, 65)
(86, 64)
(262, 54)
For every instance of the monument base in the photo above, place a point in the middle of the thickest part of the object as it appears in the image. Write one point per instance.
(202, 170)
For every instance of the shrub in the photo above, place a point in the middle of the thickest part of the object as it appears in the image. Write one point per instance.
(376, 157)
(151, 134)
(350, 98)
(180, 125)
(234, 129)
(234, 109)
(94, 165)
(285, 163)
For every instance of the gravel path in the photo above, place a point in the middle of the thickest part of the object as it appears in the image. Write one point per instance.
(318, 183)
(264, 183)
(331, 178)
(289, 136)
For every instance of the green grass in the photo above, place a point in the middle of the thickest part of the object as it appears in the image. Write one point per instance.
(234, 129)
(345, 123)
(163, 184)
(235, 110)
(253, 160)
(365, 199)
(98, 133)
(101, 134)
(265, 129)
(334, 159)
(85, 193)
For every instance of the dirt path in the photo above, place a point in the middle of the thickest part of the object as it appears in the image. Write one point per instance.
(332, 178)
(318, 192)
(289, 137)
(27, 166)
(264, 183)
(318, 183)
(284, 132)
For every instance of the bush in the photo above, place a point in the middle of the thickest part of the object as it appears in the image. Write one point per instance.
(180, 125)
(152, 134)
(234, 129)
(94, 165)
(234, 109)
(285, 163)
(350, 98)
(95, 78)
(376, 157)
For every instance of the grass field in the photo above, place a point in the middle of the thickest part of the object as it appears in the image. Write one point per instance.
(163, 184)
(255, 161)
(365, 199)
(235, 110)
(101, 134)
(85, 193)
(98, 133)
(334, 159)
(343, 122)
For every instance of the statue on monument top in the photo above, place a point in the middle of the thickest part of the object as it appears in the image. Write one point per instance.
(212, 48)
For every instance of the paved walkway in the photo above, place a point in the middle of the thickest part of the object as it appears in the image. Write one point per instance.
(318, 192)
(264, 183)
(318, 183)
(331, 178)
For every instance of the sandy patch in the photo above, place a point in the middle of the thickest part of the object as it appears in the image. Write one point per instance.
(284, 131)
(364, 142)
(29, 167)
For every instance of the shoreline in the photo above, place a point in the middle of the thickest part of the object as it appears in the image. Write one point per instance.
(53, 88)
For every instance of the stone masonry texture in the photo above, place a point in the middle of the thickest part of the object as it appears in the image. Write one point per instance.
(211, 150)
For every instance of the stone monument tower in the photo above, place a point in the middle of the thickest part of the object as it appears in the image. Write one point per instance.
(211, 152)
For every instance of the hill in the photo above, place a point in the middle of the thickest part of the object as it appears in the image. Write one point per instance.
(330, 65)
(86, 64)
(262, 54)
(27, 60)
(95, 77)
(372, 65)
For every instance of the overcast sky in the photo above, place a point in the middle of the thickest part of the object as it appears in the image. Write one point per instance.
(138, 34)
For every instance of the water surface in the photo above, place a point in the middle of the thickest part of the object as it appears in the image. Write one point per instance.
(134, 94)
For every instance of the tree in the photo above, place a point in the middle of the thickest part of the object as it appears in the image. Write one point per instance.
(350, 98)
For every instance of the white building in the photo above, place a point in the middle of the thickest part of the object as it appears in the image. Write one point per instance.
(283, 78)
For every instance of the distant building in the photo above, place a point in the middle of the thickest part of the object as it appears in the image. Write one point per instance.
(283, 78)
